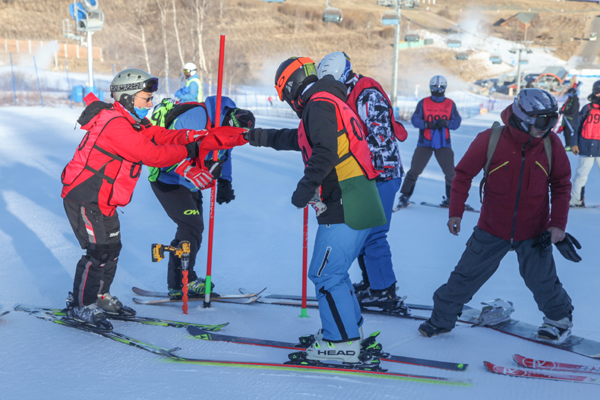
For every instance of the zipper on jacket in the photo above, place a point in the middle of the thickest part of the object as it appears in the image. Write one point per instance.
(512, 233)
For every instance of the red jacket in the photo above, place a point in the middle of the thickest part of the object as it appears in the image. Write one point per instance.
(107, 163)
(516, 201)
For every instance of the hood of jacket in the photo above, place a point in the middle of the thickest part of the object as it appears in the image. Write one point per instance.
(211, 107)
(94, 108)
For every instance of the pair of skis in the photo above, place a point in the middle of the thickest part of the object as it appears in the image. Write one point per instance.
(57, 316)
(536, 366)
(424, 203)
(246, 298)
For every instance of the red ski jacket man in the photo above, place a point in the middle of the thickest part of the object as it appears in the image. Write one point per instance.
(516, 202)
(107, 163)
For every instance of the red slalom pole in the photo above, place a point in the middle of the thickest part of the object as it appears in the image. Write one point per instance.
(213, 190)
(303, 313)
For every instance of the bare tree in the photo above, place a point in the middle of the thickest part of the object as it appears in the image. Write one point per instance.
(200, 7)
(177, 33)
(139, 11)
(221, 10)
(162, 8)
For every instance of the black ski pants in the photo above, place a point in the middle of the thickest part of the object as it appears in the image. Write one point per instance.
(480, 261)
(100, 237)
(184, 207)
(444, 157)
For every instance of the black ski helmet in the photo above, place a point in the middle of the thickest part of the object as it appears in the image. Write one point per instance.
(596, 87)
(535, 107)
(291, 74)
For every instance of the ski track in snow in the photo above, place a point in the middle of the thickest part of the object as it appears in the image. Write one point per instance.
(258, 243)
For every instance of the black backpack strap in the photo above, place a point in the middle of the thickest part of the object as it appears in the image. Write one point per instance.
(492, 144)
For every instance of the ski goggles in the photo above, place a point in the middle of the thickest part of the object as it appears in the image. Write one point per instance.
(149, 85)
(544, 122)
(288, 72)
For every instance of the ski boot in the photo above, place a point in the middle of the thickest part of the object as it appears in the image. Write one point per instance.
(372, 346)
(555, 332)
(195, 289)
(360, 288)
(385, 299)
(90, 315)
(112, 305)
(445, 202)
(427, 329)
(403, 202)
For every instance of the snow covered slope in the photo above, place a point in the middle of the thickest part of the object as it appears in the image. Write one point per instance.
(258, 243)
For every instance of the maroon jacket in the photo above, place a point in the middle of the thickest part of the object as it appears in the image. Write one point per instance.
(516, 202)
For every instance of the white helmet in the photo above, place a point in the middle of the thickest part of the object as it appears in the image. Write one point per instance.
(189, 67)
(438, 84)
(336, 64)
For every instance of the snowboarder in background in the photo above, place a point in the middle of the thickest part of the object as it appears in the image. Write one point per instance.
(515, 215)
(102, 176)
(337, 160)
(180, 198)
(570, 113)
(434, 116)
(192, 91)
(586, 145)
(369, 101)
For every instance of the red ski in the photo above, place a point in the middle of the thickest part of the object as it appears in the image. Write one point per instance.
(554, 366)
(539, 375)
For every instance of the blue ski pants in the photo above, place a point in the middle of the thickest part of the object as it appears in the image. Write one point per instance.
(376, 250)
(336, 248)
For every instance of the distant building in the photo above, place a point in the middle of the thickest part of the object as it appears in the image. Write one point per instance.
(521, 21)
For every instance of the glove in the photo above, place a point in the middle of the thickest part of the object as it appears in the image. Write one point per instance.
(199, 177)
(544, 242)
(194, 136)
(575, 149)
(193, 149)
(255, 137)
(567, 248)
(317, 204)
(440, 123)
(224, 191)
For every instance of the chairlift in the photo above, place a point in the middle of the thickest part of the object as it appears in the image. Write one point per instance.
(332, 14)
(389, 18)
(495, 60)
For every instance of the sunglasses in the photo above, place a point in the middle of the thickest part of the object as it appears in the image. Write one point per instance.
(148, 99)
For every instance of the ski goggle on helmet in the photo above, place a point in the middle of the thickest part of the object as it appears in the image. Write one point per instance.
(535, 107)
(336, 64)
(290, 75)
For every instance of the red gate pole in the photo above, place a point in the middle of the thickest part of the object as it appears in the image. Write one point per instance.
(213, 190)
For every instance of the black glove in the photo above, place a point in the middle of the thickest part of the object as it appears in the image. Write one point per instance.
(544, 241)
(224, 191)
(567, 248)
(255, 137)
(440, 123)
(193, 149)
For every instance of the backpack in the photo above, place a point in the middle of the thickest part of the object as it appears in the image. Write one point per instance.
(164, 115)
(493, 143)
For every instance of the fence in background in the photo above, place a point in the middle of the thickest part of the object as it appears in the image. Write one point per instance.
(24, 86)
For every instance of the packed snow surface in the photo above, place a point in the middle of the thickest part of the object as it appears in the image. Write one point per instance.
(257, 244)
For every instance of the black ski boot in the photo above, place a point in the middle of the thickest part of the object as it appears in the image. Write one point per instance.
(385, 299)
(429, 330)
